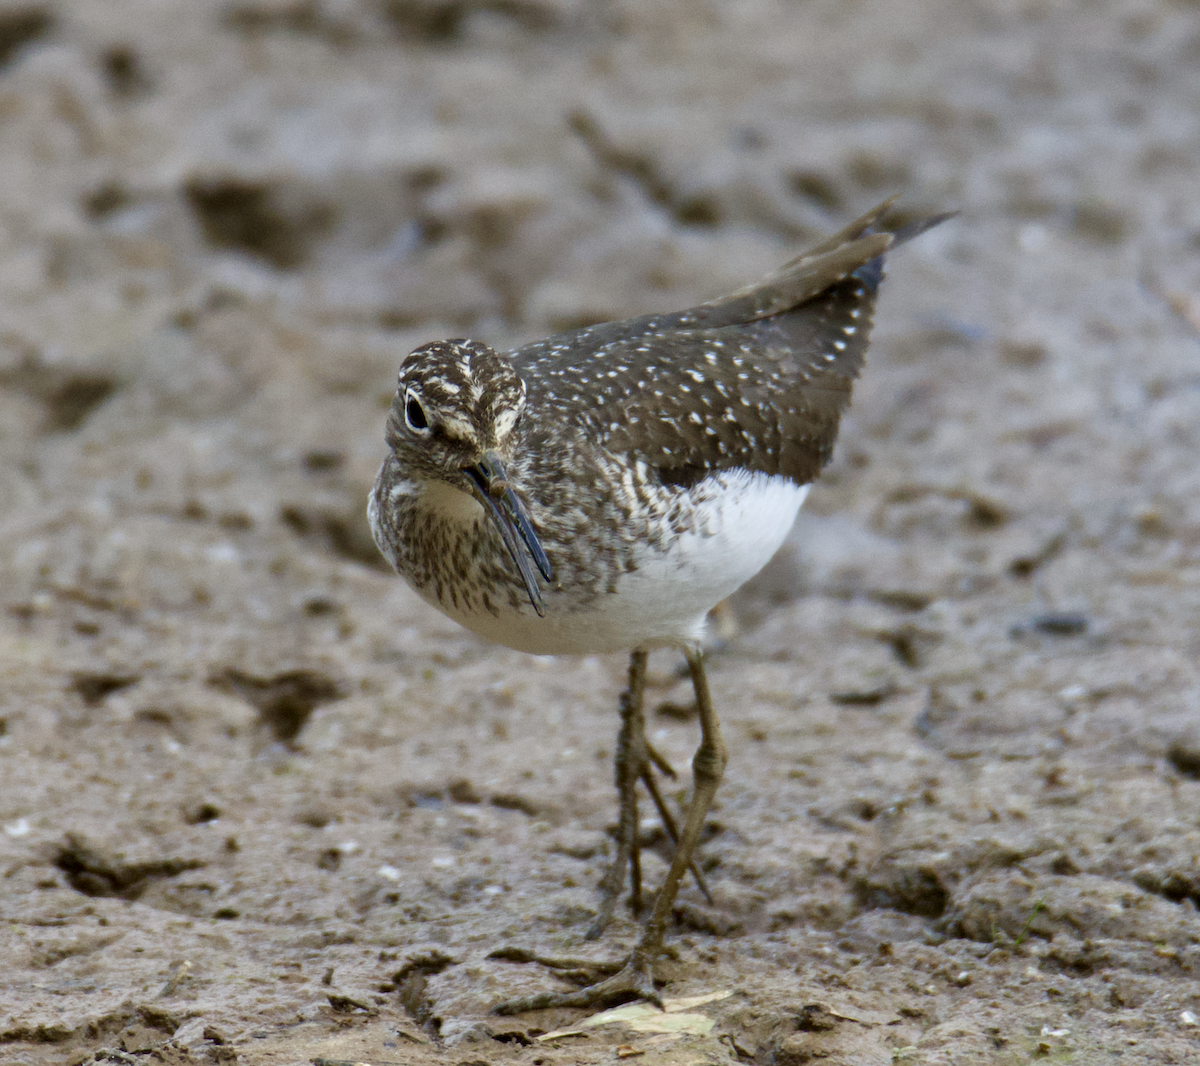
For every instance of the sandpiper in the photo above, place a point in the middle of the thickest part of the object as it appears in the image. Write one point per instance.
(603, 489)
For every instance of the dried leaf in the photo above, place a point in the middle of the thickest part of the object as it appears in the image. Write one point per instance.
(644, 1018)
(559, 1033)
(672, 1006)
(688, 1024)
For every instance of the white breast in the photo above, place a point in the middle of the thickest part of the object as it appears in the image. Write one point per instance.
(741, 519)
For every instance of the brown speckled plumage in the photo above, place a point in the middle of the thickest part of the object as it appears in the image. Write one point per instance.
(603, 489)
(621, 422)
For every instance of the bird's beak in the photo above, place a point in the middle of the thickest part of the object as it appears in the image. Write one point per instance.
(490, 486)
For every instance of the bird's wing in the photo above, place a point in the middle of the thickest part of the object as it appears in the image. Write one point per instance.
(756, 379)
(765, 395)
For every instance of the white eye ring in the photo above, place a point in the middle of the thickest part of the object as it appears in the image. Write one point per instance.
(414, 414)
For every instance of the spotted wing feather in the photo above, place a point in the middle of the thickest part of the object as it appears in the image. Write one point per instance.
(720, 390)
(765, 395)
(756, 379)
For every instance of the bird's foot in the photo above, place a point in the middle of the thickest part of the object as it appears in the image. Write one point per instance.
(581, 971)
(633, 980)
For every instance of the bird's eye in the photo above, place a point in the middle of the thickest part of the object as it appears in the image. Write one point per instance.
(414, 414)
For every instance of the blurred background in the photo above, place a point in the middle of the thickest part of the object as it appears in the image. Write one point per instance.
(231, 739)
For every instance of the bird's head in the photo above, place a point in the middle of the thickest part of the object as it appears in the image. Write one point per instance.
(455, 401)
(455, 419)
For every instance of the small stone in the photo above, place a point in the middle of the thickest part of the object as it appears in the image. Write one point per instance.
(1183, 754)
(455, 1032)
(1060, 624)
(462, 791)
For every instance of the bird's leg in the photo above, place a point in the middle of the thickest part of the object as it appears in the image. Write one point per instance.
(668, 819)
(629, 765)
(654, 759)
(635, 759)
(635, 980)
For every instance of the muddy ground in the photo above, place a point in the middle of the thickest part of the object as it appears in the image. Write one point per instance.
(259, 804)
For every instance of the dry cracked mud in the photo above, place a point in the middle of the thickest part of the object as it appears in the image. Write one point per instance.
(260, 805)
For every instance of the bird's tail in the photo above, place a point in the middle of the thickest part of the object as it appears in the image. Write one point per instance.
(856, 249)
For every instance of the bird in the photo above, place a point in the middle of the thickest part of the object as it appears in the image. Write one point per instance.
(603, 489)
